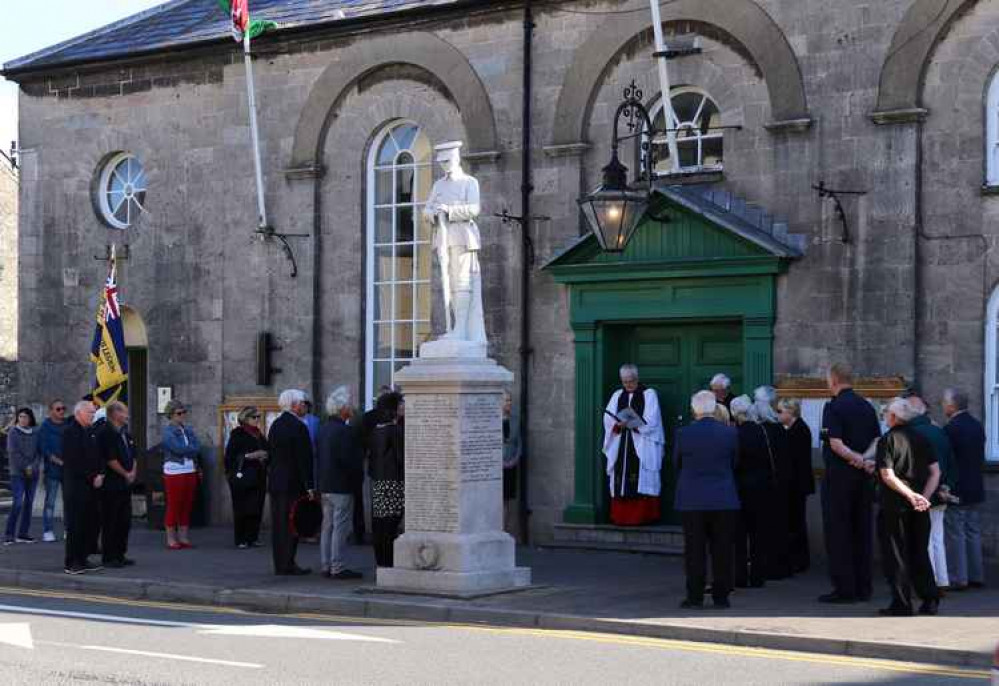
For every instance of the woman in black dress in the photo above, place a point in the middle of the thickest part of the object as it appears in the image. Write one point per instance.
(799, 442)
(387, 471)
(245, 467)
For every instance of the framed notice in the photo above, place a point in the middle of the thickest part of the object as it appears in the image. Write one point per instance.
(229, 415)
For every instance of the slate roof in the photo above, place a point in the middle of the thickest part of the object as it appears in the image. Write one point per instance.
(180, 23)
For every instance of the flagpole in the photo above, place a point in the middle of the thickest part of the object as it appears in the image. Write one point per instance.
(668, 115)
(254, 131)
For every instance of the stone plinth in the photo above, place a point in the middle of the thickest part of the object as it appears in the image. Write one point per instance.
(454, 541)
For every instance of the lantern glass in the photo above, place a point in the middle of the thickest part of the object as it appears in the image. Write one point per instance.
(613, 215)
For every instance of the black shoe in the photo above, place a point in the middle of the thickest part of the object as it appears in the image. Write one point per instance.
(300, 571)
(959, 589)
(896, 611)
(128, 562)
(91, 567)
(114, 564)
(74, 569)
(930, 608)
(757, 584)
(976, 584)
(864, 598)
(25, 539)
(689, 604)
(347, 574)
(721, 604)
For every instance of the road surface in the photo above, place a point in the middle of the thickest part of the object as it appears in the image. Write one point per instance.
(55, 638)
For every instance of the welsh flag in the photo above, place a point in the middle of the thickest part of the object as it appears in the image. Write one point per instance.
(242, 25)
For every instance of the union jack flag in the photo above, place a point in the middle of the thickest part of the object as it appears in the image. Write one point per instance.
(107, 351)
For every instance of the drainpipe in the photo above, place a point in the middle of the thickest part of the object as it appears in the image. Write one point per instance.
(526, 188)
(317, 258)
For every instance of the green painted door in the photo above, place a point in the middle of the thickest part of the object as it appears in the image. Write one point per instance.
(676, 360)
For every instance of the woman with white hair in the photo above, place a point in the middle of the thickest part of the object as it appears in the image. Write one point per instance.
(633, 444)
(246, 472)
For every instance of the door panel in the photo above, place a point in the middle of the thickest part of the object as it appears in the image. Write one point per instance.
(675, 360)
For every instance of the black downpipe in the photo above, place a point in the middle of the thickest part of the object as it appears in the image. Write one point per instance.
(526, 188)
(317, 259)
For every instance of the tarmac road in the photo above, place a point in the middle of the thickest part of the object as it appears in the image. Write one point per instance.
(55, 638)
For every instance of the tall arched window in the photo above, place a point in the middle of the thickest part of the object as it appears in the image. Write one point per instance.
(400, 175)
(992, 133)
(699, 140)
(992, 377)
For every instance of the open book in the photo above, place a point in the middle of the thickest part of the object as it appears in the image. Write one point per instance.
(627, 416)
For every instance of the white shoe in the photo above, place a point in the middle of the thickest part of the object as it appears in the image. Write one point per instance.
(48, 537)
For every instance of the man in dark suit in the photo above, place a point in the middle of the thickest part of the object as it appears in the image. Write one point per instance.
(118, 453)
(704, 457)
(963, 520)
(289, 477)
(82, 478)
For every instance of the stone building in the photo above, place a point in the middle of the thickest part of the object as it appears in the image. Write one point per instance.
(8, 285)
(755, 272)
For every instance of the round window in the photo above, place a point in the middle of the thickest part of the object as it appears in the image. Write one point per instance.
(121, 191)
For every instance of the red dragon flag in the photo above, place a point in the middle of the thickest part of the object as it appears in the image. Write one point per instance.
(242, 26)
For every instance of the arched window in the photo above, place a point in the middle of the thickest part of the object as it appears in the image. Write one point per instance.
(992, 133)
(400, 176)
(992, 377)
(699, 138)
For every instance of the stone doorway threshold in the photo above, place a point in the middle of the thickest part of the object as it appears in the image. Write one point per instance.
(653, 540)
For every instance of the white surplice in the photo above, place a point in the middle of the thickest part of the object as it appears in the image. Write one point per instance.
(649, 443)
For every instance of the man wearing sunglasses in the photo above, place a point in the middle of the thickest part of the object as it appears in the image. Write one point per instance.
(51, 439)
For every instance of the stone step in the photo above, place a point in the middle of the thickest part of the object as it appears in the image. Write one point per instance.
(660, 540)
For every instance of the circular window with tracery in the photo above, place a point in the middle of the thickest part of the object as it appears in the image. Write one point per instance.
(121, 191)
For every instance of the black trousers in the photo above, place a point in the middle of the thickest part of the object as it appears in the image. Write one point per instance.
(81, 512)
(359, 525)
(708, 532)
(848, 509)
(751, 546)
(283, 543)
(116, 522)
(798, 533)
(905, 538)
(384, 531)
(777, 534)
(247, 511)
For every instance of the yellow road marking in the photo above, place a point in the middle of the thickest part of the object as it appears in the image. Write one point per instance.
(605, 638)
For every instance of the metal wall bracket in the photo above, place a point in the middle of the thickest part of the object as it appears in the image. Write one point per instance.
(268, 233)
(834, 194)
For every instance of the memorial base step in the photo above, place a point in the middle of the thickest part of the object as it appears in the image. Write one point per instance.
(466, 585)
(654, 540)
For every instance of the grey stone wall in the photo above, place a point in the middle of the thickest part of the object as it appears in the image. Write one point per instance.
(205, 285)
(8, 285)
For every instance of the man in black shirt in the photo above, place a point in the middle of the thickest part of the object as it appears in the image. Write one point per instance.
(849, 427)
(118, 455)
(908, 474)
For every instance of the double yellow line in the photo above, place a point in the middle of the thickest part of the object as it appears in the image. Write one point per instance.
(607, 639)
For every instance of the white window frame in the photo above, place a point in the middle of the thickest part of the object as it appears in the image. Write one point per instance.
(992, 133)
(371, 284)
(133, 190)
(719, 135)
(991, 395)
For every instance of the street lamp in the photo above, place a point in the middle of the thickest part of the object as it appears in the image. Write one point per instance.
(614, 210)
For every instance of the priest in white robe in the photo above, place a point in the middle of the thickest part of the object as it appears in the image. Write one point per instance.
(635, 454)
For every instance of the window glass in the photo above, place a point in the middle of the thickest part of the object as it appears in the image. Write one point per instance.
(400, 178)
(121, 191)
(699, 138)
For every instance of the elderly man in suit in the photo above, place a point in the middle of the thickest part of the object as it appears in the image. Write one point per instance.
(290, 477)
(704, 457)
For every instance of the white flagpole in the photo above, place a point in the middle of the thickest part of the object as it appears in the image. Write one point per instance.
(664, 86)
(254, 131)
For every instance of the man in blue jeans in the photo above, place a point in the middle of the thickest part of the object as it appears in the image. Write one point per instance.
(51, 439)
(962, 523)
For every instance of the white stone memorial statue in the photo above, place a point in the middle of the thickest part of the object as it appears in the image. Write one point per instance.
(452, 208)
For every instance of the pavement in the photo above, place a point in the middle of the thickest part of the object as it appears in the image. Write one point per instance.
(47, 639)
(616, 593)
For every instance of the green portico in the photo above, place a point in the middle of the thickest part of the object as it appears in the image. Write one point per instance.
(690, 297)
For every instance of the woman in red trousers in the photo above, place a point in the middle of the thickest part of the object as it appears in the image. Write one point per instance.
(181, 474)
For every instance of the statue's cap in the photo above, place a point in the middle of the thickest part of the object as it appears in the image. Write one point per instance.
(444, 150)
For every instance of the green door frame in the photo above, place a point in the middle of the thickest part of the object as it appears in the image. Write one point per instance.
(740, 289)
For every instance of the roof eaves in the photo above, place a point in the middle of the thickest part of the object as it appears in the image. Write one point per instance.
(25, 60)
